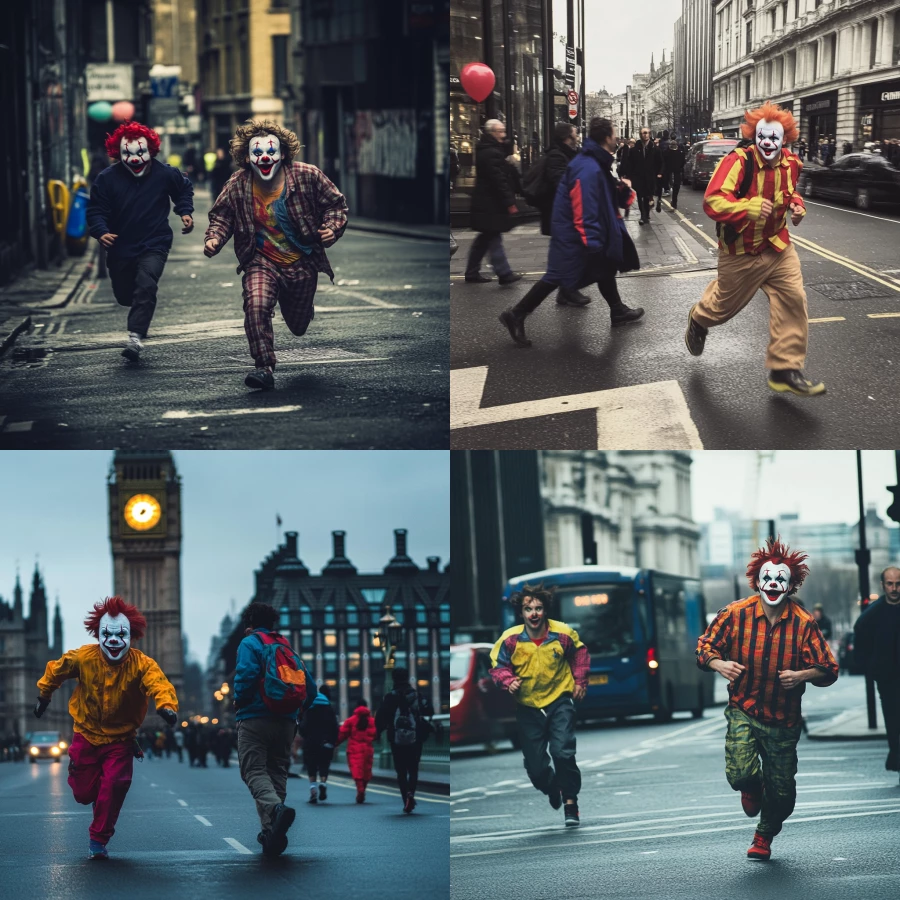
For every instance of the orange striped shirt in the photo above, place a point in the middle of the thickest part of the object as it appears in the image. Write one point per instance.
(777, 183)
(741, 633)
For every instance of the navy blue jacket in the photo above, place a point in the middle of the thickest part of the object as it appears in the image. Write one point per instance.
(137, 209)
(586, 223)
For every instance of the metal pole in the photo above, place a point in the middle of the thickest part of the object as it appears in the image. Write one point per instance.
(863, 557)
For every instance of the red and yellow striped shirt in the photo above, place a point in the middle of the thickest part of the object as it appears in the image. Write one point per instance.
(777, 183)
(742, 633)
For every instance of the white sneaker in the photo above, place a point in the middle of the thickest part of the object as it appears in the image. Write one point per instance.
(313, 794)
(133, 347)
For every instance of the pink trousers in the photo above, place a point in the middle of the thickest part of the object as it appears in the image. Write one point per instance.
(101, 775)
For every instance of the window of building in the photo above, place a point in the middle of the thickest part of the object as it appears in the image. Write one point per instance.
(244, 50)
(329, 615)
(749, 38)
(373, 596)
(813, 61)
(307, 639)
(279, 63)
(305, 615)
(784, 12)
(423, 658)
(421, 614)
(329, 638)
(352, 614)
(352, 639)
(445, 613)
(831, 44)
(873, 42)
(284, 618)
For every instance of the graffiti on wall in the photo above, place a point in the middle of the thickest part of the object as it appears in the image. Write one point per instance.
(384, 142)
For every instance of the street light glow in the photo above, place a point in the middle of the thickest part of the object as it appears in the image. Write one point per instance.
(225, 689)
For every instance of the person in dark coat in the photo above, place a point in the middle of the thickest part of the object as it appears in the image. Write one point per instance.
(589, 243)
(319, 729)
(221, 172)
(493, 205)
(645, 171)
(673, 167)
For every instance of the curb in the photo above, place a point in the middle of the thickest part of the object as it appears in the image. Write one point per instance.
(433, 787)
(10, 339)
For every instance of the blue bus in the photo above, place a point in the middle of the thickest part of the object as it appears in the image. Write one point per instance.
(641, 628)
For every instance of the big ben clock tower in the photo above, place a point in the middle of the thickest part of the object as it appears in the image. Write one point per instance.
(145, 534)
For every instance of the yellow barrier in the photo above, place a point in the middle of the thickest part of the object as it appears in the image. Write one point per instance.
(59, 204)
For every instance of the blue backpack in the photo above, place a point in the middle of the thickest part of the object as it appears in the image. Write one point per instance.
(285, 685)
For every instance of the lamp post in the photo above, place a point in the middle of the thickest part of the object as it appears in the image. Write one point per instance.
(390, 633)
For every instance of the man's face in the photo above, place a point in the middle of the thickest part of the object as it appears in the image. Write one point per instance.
(135, 154)
(115, 637)
(499, 133)
(533, 613)
(774, 582)
(645, 135)
(572, 139)
(891, 583)
(769, 140)
(265, 157)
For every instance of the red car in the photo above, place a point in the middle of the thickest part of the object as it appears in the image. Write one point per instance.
(480, 712)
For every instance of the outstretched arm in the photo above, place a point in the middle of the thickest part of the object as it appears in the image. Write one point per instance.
(57, 671)
(160, 690)
(221, 218)
(332, 210)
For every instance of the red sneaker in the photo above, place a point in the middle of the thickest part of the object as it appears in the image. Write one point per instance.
(761, 848)
(751, 802)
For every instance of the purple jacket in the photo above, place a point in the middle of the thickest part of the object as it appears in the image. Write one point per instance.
(312, 202)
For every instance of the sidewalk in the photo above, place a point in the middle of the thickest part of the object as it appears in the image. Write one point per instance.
(849, 725)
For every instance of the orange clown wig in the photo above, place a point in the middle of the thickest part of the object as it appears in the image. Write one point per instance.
(130, 131)
(770, 112)
(779, 554)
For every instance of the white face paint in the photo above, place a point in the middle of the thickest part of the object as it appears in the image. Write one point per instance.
(774, 582)
(135, 155)
(115, 637)
(265, 156)
(769, 140)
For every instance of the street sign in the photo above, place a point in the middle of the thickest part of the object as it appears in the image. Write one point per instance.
(109, 81)
(573, 112)
(572, 97)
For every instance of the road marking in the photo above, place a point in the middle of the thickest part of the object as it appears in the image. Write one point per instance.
(851, 211)
(859, 268)
(620, 793)
(684, 219)
(460, 810)
(470, 818)
(704, 272)
(152, 784)
(683, 248)
(17, 427)
(203, 820)
(367, 298)
(827, 319)
(641, 417)
(182, 803)
(883, 315)
(421, 797)
(238, 846)
(187, 414)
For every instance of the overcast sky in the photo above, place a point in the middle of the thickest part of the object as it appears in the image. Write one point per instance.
(54, 504)
(819, 485)
(619, 38)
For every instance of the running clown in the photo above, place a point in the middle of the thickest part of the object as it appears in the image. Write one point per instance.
(108, 705)
(544, 665)
(750, 195)
(283, 214)
(767, 647)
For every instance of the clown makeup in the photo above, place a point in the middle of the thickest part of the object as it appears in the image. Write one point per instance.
(534, 614)
(115, 637)
(135, 155)
(769, 140)
(265, 156)
(774, 582)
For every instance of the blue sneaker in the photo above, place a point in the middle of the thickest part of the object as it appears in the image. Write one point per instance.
(98, 850)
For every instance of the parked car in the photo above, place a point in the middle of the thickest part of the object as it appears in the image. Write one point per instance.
(847, 659)
(480, 711)
(703, 158)
(46, 745)
(864, 179)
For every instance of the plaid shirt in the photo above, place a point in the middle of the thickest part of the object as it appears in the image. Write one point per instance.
(741, 633)
(777, 183)
(313, 202)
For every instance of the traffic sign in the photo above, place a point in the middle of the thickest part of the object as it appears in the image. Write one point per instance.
(573, 112)
(572, 97)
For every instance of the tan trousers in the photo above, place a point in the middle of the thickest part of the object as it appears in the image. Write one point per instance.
(779, 276)
(264, 753)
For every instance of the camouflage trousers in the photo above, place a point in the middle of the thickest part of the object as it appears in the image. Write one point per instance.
(763, 756)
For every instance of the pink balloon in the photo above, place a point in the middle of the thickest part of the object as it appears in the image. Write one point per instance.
(123, 110)
(477, 80)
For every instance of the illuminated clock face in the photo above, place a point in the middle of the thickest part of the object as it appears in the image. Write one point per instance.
(142, 511)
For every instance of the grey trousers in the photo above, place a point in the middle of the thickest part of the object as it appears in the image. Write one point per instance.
(550, 729)
(264, 754)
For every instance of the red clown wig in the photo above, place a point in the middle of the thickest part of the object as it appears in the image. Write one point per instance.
(779, 554)
(115, 606)
(771, 112)
(131, 131)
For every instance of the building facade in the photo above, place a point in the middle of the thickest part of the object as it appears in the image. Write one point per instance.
(834, 63)
(693, 69)
(659, 97)
(331, 619)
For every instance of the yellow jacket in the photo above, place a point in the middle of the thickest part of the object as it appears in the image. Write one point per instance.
(110, 701)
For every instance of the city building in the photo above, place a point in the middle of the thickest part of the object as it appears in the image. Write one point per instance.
(598, 105)
(693, 59)
(536, 50)
(635, 107)
(659, 98)
(368, 95)
(332, 620)
(834, 63)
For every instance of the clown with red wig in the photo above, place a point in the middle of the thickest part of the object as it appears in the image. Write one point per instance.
(751, 194)
(108, 705)
(767, 647)
(128, 214)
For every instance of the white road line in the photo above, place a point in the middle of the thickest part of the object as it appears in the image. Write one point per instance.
(683, 248)
(708, 273)
(152, 784)
(470, 818)
(182, 803)
(640, 417)
(203, 820)
(853, 212)
(827, 319)
(238, 846)
(368, 298)
(17, 427)
(187, 414)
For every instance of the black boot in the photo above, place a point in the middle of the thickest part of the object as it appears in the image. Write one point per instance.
(571, 297)
(624, 315)
(516, 326)
(658, 205)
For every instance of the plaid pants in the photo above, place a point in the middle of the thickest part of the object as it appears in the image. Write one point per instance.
(749, 741)
(265, 283)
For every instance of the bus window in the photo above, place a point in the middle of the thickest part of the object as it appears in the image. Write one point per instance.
(671, 621)
(602, 615)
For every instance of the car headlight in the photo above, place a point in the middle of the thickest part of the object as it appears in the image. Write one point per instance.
(55, 751)
(34, 751)
(456, 696)
(63, 745)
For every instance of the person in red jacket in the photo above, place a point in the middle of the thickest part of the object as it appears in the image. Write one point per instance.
(359, 733)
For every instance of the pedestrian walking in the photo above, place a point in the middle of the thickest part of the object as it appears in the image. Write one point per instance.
(319, 730)
(403, 714)
(108, 704)
(822, 621)
(283, 214)
(767, 647)
(750, 194)
(544, 665)
(493, 205)
(179, 743)
(645, 171)
(589, 241)
(128, 213)
(219, 174)
(673, 167)
(877, 644)
(271, 686)
(359, 732)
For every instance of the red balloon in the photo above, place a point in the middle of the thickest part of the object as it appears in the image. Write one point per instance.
(477, 80)
(122, 111)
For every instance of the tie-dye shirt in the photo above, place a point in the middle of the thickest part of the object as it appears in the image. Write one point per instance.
(271, 241)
